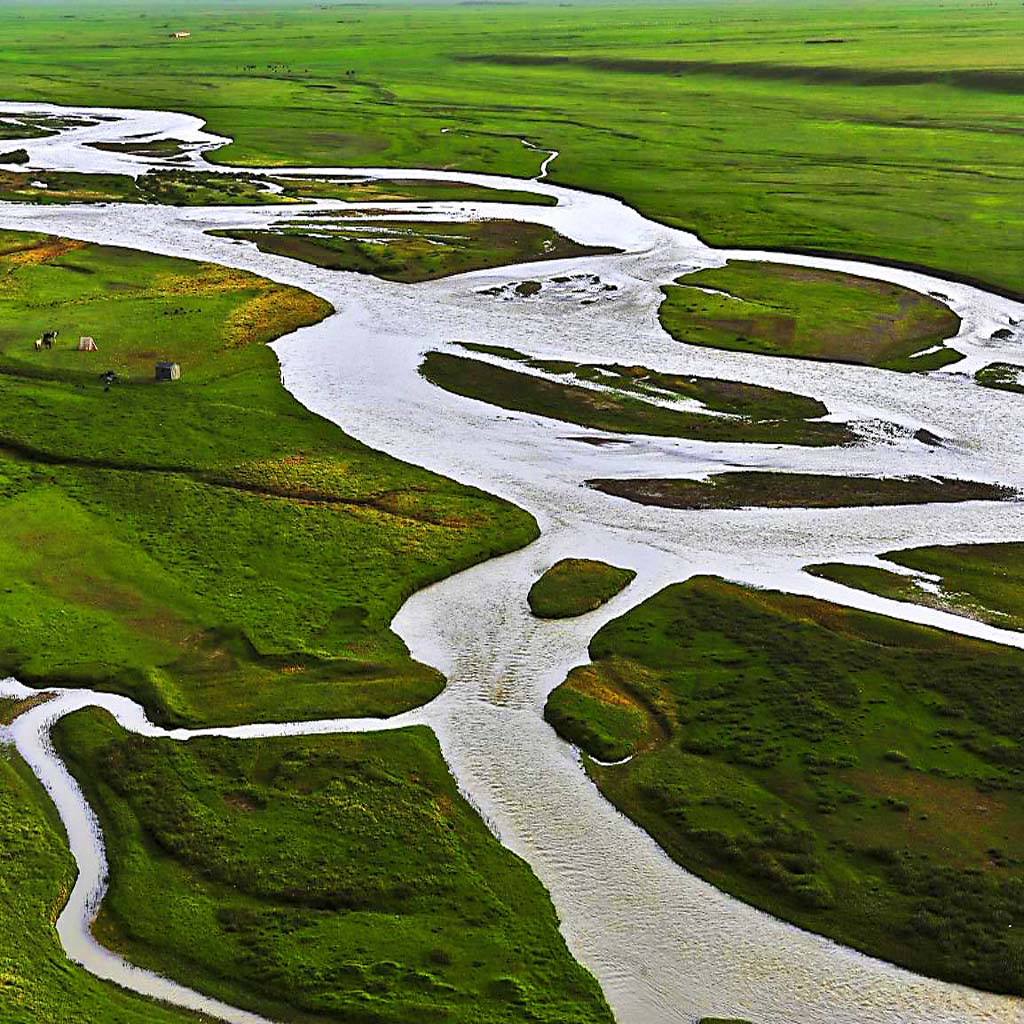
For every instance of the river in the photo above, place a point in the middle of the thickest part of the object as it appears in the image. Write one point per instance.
(665, 946)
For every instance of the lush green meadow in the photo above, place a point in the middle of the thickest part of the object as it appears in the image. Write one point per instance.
(780, 310)
(854, 774)
(981, 581)
(574, 586)
(334, 878)
(763, 489)
(782, 125)
(207, 546)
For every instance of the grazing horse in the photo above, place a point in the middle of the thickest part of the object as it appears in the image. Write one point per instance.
(38, 344)
(49, 337)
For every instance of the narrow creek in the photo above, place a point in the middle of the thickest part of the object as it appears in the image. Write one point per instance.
(665, 946)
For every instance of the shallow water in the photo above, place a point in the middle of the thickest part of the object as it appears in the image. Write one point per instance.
(665, 946)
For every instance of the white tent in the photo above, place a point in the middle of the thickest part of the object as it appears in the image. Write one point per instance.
(87, 344)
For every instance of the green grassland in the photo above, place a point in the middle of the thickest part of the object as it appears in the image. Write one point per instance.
(409, 251)
(1004, 376)
(793, 126)
(776, 309)
(981, 581)
(206, 546)
(769, 416)
(337, 878)
(574, 586)
(37, 983)
(854, 774)
(763, 489)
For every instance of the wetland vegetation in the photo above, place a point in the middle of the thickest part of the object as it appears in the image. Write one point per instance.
(574, 586)
(411, 251)
(1003, 376)
(782, 310)
(208, 547)
(855, 774)
(339, 877)
(981, 581)
(766, 489)
(620, 401)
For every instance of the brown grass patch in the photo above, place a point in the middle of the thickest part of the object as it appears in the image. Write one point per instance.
(42, 253)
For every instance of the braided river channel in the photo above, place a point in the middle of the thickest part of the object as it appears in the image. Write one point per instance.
(664, 945)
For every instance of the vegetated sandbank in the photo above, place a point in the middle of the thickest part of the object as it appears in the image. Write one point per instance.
(849, 772)
(783, 310)
(981, 581)
(411, 251)
(208, 546)
(1003, 376)
(756, 414)
(767, 489)
(342, 877)
(573, 586)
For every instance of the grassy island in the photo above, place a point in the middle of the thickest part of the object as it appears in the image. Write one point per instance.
(621, 402)
(410, 251)
(781, 310)
(574, 586)
(851, 773)
(737, 489)
(337, 878)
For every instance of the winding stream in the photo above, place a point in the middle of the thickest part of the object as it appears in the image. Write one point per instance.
(665, 946)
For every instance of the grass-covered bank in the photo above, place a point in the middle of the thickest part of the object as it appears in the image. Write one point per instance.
(37, 983)
(332, 879)
(621, 403)
(574, 586)
(737, 489)
(207, 546)
(771, 125)
(981, 581)
(782, 310)
(857, 775)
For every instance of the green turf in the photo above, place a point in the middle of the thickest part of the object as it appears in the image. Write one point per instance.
(1003, 376)
(854, 774)
(763, 489)
(207, 546)
(574, 586)
(337, 878)
(782, 310)
(763, 414)
(37, 984)
(982, 581)
(743, 122)
(411, 251)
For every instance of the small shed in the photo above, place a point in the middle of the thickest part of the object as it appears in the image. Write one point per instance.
(168, 371)
(87, 344)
